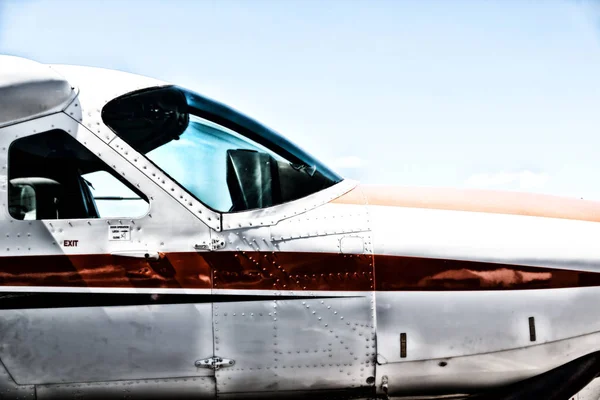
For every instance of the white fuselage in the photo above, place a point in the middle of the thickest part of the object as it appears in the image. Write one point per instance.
(336, 291)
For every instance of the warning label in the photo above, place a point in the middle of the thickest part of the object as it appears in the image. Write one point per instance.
(119, 232)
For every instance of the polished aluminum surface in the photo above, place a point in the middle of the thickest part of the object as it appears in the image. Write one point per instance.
(30, 90)
(98, 344)
(482, 371)
(10, 390)
(197, 388)
(297, 345)
(453, 324)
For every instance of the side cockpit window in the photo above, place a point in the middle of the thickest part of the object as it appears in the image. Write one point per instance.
(49, 178)
(224, 159)
(114, 198)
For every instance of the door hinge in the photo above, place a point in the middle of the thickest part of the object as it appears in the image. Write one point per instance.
(215, 243)
(214, 363)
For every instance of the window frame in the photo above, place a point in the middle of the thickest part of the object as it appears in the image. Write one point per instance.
(47, 125)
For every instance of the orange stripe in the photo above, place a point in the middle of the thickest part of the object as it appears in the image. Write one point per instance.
(494, 202)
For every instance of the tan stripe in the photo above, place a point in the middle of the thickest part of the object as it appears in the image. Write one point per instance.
(495, 202)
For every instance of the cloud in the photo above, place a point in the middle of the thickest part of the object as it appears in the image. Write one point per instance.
(348, 162)
(523, 179)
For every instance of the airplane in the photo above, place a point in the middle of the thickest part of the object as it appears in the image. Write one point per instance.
(158, 244)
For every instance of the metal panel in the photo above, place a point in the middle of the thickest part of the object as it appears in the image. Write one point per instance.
(343, 394)
(590, 392)
(9, 390)
(479, 372)
(105, 343)
(97, 87)
(300, 345)
(323, 342)
(30, 90)
(272, 215)
(452, 324)
(183, 388)
(322, 229)
(482, 237)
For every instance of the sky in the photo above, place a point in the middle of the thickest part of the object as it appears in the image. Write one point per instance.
(482, 94)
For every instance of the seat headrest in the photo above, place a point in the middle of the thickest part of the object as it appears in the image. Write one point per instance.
(34, 198)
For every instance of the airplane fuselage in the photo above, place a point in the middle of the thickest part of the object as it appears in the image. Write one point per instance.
(347, 290)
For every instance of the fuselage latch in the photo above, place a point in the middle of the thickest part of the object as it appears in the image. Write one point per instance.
(214, 363)
(213, 244)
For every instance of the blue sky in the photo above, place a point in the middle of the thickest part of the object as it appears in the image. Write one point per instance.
(488, 94)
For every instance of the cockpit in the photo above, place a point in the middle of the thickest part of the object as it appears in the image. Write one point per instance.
(224, 159)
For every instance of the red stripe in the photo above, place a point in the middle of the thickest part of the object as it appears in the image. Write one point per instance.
(409, 273)
(282, 271)
(292, 271)
(172, 270)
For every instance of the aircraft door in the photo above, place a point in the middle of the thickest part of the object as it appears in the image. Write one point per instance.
(292, 311)
(98, 285)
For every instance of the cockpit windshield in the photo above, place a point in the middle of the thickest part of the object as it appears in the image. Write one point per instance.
(223, 158)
